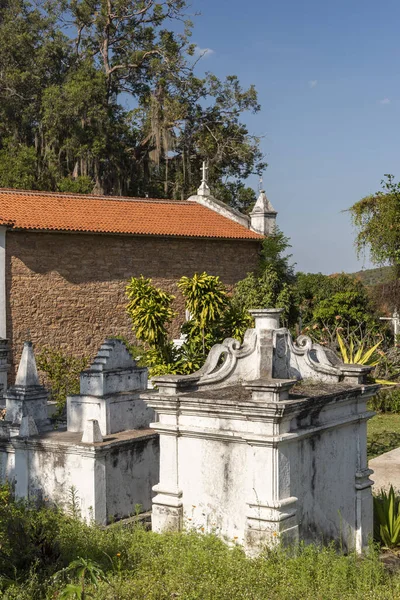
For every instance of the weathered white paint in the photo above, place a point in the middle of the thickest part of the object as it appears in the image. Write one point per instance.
(3, 305)
(243, 458)
(107, 480)
(27, 398)
(109, 393)
(109, 474)
(263, 216)
(221, 208)
(91, 433)
(4, 368)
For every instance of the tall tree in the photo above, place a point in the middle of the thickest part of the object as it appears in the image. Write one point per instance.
(102, 95)
(377, 219)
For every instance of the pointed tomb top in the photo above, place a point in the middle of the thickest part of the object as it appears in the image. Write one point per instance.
(27, 375)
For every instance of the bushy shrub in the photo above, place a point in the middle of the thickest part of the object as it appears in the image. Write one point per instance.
(61, 374)
(212, 318)
(272, 285)
(386, 401)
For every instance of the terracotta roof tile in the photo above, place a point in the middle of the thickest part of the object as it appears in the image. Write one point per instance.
(105, 214)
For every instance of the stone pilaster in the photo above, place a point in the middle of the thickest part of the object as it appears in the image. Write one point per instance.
(4, 369)
(167, 510)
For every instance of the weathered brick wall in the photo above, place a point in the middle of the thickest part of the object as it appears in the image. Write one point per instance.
(68, 290)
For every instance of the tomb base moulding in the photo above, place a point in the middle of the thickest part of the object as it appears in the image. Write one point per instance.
(254, 454)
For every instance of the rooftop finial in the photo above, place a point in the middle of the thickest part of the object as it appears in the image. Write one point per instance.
(260, 184)
(204, 190)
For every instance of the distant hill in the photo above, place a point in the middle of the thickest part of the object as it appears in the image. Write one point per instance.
(375, 276)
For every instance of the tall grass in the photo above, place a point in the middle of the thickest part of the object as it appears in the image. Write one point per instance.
(36, 547)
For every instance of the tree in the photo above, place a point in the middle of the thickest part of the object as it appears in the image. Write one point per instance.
(332, 303)
(377, 219)
(272, 285)
(105, 93)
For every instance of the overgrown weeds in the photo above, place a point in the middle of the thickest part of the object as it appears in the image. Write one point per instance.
(47, 554)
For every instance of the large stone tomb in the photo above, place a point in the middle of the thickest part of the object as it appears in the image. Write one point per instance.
(266, 442)
(107, 458)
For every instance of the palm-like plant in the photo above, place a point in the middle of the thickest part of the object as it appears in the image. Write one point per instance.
(358, 354)
(206, 300)
(387, 518)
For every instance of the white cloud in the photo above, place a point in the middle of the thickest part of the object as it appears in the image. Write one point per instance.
(202, 52)
(385, 101)
(313, 83)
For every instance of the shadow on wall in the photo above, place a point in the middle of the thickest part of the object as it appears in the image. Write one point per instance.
(86, 258)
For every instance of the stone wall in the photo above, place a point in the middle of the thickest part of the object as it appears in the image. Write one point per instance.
(68, 290)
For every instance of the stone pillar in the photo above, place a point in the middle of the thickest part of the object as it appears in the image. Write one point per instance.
(266, 322)
(271, 510)
(4, 369)
(3, 297)
(167, 509)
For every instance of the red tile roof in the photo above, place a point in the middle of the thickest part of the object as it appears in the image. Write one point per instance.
(104, 214)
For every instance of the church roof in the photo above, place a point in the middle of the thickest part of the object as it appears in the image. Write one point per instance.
(46, 211)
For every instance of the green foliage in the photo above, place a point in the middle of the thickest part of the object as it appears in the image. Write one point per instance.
(386, 401)
(272, 286)
(150, 311)
(79, 185)
(387, 518)
(377, 219)
(379, 275)
(17, 166)
(383, 433)
(86, 571)
(205, 299)
(273, 254)
(61, 372)
(348, 305)
(64, 123)
(355, 352)
(125, 563)
(26, 537)
(213, 318)
(323, 299)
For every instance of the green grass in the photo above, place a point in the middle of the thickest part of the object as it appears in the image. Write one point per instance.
(144, 565)
(383, 434)
(37, 546)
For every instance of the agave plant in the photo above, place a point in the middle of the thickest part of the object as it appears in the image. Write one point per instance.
(387, 518)
(361, 356)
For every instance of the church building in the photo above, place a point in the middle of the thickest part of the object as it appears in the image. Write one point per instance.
(65, 259)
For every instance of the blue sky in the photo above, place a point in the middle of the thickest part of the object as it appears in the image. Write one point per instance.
(329, 86)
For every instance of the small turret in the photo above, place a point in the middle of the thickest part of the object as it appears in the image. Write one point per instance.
(263, 216)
